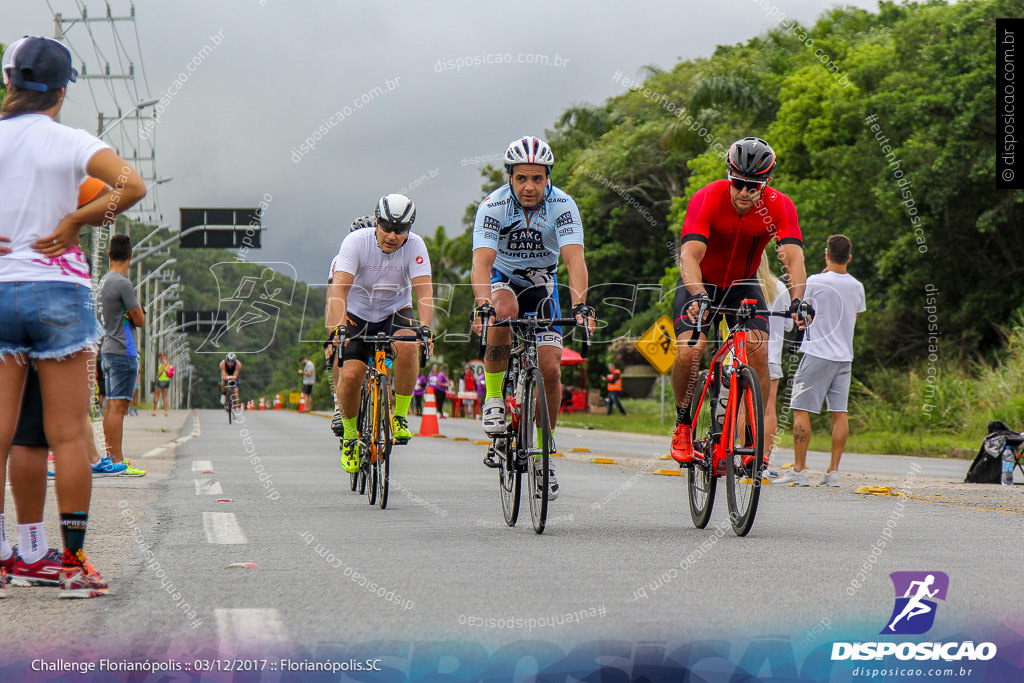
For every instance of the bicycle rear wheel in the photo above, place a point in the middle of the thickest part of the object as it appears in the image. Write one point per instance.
(744, 450)
(534, 416)
(701, 482)
(382, 439)
(509, 476)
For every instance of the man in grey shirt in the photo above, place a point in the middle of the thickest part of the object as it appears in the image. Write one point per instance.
(121, 315)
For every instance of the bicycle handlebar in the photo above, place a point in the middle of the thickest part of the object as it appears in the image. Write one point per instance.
(532, 322)
(745, 312)
(422, 340)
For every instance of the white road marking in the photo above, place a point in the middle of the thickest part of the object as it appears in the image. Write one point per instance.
(222, 528)
(248, 630)
(207, 487)
(201, 465)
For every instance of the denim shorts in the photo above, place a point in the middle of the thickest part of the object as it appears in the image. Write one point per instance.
(120, 374)
(47, 319)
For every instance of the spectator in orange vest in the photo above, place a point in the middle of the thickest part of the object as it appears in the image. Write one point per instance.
(614, 380)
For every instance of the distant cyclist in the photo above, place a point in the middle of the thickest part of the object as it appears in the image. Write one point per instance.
(728, 224)
(374, 275)
(336, 424)
(520, 231)
(230, 368)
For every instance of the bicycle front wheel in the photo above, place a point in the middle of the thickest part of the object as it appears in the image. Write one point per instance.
(382, 439)
(744, 450)
(509, 476)
(700, 477)
(367, 445)
(534, 419)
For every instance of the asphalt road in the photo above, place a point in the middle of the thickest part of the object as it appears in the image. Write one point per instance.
(332, 576)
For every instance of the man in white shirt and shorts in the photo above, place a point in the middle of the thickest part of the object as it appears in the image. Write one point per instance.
(824, 371)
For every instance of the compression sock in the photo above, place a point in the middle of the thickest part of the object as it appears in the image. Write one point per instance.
(351, 431)
(32, 542)
(5, 548)
(683, 415)
(72, 528)
(536, 432)
(402, 405)
(493, 381)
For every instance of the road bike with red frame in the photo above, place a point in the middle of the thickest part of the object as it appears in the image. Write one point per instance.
(727, 418)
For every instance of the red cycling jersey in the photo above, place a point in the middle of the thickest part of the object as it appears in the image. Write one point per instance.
(735, 243)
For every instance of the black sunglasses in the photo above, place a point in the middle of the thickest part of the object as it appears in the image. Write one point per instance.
(393, 228)
(750, 186)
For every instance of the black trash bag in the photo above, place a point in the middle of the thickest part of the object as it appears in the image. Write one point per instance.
(987, 465)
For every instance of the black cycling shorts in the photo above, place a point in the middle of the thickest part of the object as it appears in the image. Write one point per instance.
(30, 430)
(721, 297)
(539, 300)
(359, 350)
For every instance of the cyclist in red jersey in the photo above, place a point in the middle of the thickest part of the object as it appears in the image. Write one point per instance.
(728, 224)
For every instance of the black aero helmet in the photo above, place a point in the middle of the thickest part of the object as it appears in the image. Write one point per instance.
(751, 158)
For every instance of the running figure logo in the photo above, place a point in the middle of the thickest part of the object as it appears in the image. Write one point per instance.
(914, 611)
(252, 302)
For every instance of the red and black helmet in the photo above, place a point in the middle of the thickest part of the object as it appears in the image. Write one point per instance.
(751, 158)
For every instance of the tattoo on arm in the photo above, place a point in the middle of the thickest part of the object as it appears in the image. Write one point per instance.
(498, 353)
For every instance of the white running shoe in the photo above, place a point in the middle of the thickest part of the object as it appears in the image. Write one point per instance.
(795, 478)
(830, 480)
(494, 416)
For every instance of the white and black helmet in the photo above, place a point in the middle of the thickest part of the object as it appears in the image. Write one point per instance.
(362, 222)
(396, 209)
(230, 357)
(528, 150)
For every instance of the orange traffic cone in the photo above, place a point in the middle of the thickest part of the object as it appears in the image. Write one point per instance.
(277, 402)
(428, 425)
(263, 403)
(302, 403)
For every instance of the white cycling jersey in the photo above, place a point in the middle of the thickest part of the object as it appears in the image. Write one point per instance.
(383, 282)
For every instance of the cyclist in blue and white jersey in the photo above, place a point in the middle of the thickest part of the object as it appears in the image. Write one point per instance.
(520, 231)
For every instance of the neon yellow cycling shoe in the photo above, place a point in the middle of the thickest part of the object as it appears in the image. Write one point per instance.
(400, 430)
(350, 456)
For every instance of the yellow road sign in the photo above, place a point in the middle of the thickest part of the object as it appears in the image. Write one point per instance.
(657, 345)
(294, 396)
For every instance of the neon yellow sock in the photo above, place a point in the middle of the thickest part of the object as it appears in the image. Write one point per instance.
(402, 405)
(493, 381)
(351, 431)
(536, 432)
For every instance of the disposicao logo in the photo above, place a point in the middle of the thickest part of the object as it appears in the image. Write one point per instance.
(913, 613)
(916, 592)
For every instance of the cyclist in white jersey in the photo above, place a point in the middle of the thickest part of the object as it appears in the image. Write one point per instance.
(374, 276)
(520, 231)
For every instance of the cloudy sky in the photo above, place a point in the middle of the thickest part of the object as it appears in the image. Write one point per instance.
(392, 95)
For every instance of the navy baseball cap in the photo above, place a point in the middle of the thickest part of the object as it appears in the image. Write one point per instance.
(40, 64)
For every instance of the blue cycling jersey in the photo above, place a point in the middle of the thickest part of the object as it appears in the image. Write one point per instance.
(527, 242)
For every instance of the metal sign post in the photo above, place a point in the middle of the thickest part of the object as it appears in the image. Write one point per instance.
(657, 345)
